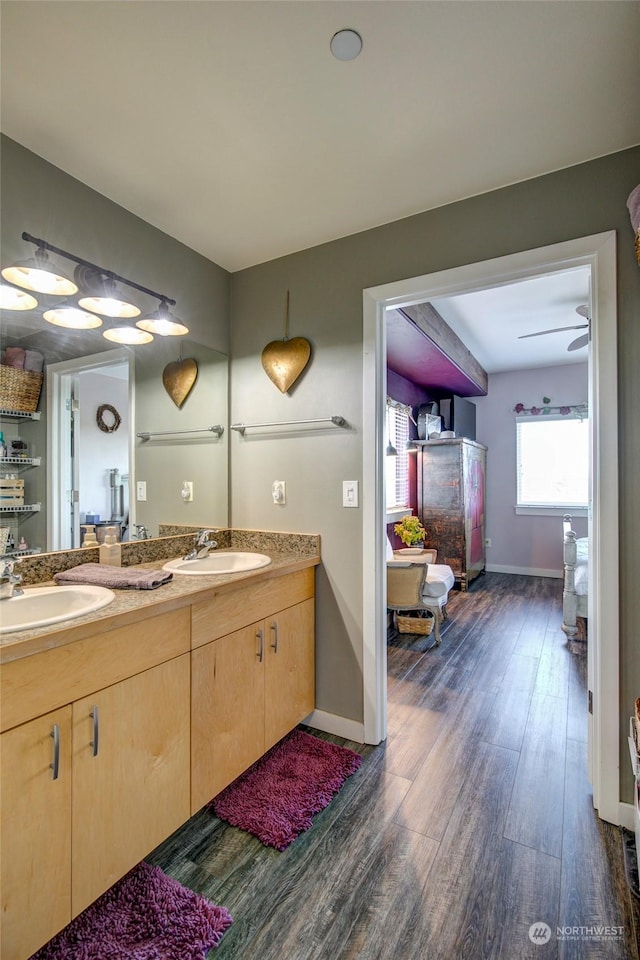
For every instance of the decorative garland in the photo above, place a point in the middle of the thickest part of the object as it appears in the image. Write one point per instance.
(105, 427)
(580, 410)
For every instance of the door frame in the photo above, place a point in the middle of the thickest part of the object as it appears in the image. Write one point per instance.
(59, 377)
(599, 253)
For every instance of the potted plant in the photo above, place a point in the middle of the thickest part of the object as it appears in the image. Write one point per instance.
(410, 531)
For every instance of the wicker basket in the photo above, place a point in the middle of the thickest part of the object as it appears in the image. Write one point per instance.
(19, 389)
(421, 625)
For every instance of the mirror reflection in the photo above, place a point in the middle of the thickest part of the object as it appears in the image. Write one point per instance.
(81, 462)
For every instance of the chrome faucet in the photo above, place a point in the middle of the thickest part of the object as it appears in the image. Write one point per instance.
(202, 545)
(141, 532)
(8, 579)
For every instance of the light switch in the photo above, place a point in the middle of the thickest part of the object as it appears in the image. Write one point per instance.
(141, 489)
(349, 493)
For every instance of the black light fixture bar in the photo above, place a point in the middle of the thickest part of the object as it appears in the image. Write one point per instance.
(45, 245)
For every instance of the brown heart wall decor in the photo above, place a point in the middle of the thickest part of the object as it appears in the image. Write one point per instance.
(284, 361)
(178, 379)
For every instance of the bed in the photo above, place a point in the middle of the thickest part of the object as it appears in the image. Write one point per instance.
(575, 594)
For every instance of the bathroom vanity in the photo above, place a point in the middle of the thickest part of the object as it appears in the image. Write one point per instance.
(115, 728)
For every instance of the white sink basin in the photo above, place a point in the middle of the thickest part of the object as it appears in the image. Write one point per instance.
(40, 606)
(218, 563)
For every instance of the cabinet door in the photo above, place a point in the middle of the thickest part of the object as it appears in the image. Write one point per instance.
(131, 780)
(35, 833)
(290, 670)
(227, 713)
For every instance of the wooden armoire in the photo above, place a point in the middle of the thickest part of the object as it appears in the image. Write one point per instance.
(451, 503)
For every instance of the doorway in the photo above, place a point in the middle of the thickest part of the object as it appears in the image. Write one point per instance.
(598, 253)
(90, 456)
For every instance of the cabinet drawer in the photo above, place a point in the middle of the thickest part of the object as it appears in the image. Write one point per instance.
(231, 610)
(34, 685)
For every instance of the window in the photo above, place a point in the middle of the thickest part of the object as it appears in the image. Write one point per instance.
(397, 468)
(552, 463)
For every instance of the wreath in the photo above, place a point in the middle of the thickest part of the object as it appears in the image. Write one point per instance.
(104, 426)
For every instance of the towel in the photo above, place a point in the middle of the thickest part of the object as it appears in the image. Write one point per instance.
(33, 361)
(14, 357)
(116, 578)
(633, 203)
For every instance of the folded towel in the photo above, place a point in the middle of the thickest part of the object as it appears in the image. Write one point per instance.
(633, 203)
(33, 361)
(116, 578)
(14, 357)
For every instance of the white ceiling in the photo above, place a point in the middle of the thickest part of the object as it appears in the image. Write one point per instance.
(231, 127)
(491, 322)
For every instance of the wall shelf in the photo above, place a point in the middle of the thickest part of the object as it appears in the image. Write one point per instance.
(20, 414)
(23, 508)
(20, 462)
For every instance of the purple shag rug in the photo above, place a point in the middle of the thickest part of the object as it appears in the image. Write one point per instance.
(145, 916)
(277, 797)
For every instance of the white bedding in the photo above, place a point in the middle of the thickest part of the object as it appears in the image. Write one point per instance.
(582, 566)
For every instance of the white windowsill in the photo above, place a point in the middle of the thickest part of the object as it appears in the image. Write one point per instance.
(547, 511)
(397, 513)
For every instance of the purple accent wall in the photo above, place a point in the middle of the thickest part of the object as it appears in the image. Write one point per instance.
(522, 542)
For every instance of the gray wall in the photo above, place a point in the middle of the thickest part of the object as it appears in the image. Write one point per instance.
(326, 284)
(521, 542)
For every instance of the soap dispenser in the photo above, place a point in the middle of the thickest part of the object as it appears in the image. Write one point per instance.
(89, 535)
(110, 550)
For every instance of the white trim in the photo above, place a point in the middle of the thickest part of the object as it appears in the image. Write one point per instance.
(338, 726)
(548, 511)
(627, 816)
(599, 253)
(524, 571)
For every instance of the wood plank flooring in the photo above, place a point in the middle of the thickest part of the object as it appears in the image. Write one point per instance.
(472, 822)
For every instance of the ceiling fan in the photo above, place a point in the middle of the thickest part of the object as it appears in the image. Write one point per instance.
(579, 342)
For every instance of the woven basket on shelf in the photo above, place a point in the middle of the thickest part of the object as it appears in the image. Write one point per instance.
(19, 389)
(421, 625)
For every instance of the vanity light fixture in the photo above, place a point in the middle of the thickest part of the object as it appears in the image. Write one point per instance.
(98, 292)
(40, 274)
(130, 335)
(12, 298)
(72, 317)
(162, 322)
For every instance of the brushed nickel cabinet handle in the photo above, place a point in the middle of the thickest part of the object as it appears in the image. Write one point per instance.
(274, 645)
(55, 766)
(260, 637)
(96, 730)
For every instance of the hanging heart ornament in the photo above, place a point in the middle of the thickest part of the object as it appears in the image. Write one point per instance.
(178, 379)
(284, 361)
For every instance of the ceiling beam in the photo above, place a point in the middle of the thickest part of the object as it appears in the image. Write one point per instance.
(429, 322)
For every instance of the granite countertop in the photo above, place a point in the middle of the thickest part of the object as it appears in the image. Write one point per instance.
(130, 606)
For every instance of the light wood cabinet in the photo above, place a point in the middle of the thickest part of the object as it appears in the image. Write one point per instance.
(131, 783)
(35, 833)
(67, 840)
(249, 688)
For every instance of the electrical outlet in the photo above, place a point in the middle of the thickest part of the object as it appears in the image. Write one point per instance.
(186, 491)
(487, 541)
(141, 489)
(279, 492)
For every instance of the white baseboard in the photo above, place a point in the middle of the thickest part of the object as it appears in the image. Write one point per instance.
(524, 571)
(339, 726)
(626, 814)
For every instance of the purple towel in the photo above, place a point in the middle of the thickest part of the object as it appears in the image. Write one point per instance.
(14, 357)
(116, 578)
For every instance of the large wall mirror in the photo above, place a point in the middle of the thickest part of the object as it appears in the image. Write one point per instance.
(85, 459)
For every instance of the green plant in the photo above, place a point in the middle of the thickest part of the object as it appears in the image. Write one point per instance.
(410, 530)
